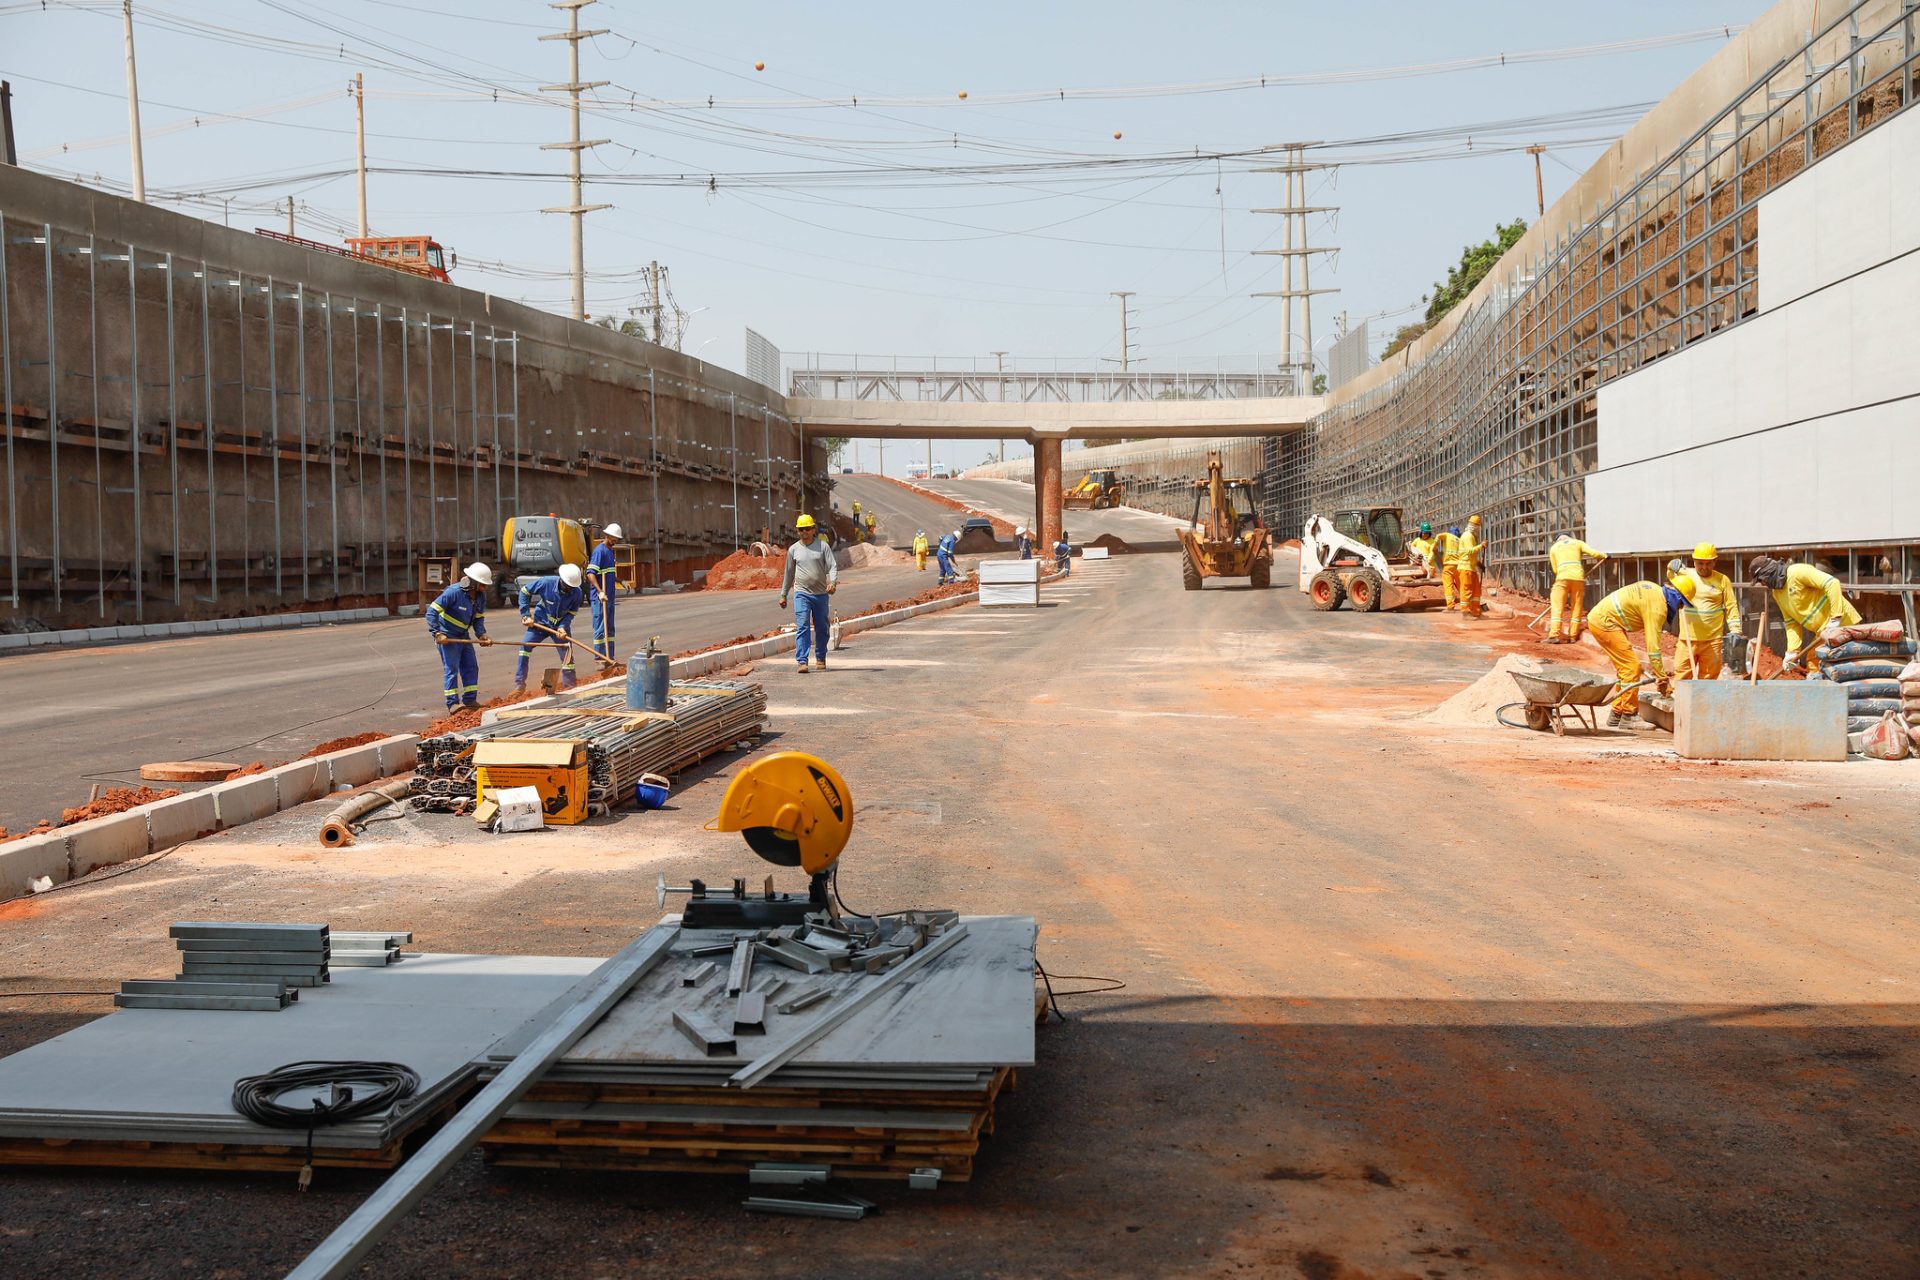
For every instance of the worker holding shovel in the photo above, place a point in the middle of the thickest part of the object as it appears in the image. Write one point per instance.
(1809, 600)
(1646, 607)
(457, 621)
(1710, 624)
(547, 606)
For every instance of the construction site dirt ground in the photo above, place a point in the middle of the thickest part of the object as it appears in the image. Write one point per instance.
(1402, 999)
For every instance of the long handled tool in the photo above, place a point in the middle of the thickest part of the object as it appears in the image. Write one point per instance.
(1759, 638)
(588, 649)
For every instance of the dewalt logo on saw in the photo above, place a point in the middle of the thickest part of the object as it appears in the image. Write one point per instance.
(829, 793)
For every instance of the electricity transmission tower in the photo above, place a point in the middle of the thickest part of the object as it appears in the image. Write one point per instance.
(573, 35)
(1296, 363)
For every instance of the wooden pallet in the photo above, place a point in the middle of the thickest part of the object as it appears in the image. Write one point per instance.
(190, 1155)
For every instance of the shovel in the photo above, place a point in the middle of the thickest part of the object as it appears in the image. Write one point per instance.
(589, 650)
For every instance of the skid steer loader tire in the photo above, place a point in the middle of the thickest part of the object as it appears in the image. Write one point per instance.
(1363, 591)
(1262, 576)
(1326, 591)
(1189, 575)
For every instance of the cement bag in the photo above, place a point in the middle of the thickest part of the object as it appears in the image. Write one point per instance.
(1888, 631)
(1858, 690)
(1887, 740)
(1854, 651)
(1866, 669)
(1875, 706)
(1909, 674)
(1860, 724)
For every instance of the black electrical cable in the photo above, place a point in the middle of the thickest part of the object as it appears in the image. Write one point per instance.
(386, 1084)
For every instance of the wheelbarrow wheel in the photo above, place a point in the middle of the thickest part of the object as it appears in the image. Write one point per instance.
(1539, 716)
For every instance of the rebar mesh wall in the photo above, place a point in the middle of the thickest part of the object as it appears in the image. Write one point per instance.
(201, 423)
(1499, 417)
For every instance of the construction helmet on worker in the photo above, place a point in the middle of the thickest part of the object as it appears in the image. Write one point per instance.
(1810, 600)
(804, 522)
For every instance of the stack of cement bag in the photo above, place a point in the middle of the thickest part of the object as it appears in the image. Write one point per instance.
(1873, 662)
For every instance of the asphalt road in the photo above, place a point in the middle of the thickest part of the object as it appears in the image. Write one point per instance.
(1401, 998)
(899, 510)
(73, 717)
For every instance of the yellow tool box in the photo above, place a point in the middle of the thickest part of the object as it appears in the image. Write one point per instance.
(556, 767)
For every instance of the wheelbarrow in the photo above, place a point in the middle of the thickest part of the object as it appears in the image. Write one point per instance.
(1550, 701)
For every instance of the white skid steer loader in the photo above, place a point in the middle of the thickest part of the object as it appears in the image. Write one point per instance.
(1360, 557)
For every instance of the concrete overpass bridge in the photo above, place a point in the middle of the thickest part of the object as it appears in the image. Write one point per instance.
(1047, 425)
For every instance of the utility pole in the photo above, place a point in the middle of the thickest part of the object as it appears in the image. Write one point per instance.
(289, 215)
(573, 35)
(1126, 340)
(133, 109)
(1539, 190)
(7, 153)
(360, 144)
(653, 277)
(1000, 365)
(1297, 370)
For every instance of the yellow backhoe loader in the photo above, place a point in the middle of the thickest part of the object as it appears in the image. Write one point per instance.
(1225, 538)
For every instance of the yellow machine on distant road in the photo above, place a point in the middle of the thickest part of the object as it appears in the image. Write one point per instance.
(1225, 538)
(1096, 490)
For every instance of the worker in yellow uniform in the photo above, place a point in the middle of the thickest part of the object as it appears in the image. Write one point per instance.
(920, 550)
(1422, 545)
(1443, 561)
(1467, 549)
(1710, 624)
(1646, 607)
(1569, 556)
(1809, 600)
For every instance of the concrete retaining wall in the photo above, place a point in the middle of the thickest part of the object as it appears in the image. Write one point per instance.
(71, 852)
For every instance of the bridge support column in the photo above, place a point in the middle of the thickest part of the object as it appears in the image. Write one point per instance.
(1046, 488)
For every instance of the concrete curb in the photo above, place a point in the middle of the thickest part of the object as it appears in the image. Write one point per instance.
(87, 636)
(699, 664)
(71, 852)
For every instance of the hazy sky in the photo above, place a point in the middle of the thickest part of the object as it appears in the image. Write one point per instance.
(839, 228)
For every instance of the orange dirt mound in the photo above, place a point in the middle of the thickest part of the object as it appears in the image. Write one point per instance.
(1114, 546)
(40, 828)
(743, 572)
(341, 744)
(469, 717)
(248, 770)
(115, 800)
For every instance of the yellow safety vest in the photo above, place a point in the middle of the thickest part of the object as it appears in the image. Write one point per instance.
(1569, 559)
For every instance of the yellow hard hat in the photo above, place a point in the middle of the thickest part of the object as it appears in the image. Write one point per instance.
(1473, 519)
(1684, 583)
(804, 522)
(1706, 551)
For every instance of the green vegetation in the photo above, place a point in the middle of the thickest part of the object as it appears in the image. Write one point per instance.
(1475, 262)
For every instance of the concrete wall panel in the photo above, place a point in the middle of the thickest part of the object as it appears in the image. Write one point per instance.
(24, 861)
(105, 842)
(183, 818)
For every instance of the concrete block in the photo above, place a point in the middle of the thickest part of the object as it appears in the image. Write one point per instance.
(129, 633)
(301, 781)
(183, 818)
(179, 628)
(337, 615)
(1776, 720)
(103, 842)
(73, 635)
(96, 635)
(225, 625)
(398, 753)
(205, 626)
(255, 623)
(40, 639)
(24, 861)
(353, 767)
(20, 641)
(408, 611)
(245, 799)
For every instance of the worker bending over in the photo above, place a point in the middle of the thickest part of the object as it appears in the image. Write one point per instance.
(944, 554)
(1569, 556)
(1023, 540)
(811, 575)
(1646, 607)
(1445, 561)
(1710, 624)
(1467, 549)
(872, 527)
(1809, 601)
(457, 621)
(1063, 554)
(1422, 546)
(920, 550)
(604, 584)
(547, 606)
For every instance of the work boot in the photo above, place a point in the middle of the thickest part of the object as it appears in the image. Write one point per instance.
(802, 668)
(820, 664)
(1615, 719)
(470, 702)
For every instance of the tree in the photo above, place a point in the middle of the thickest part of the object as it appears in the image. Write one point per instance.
(1319, 384)
(630, 327)
(1475, 262)
(1403, 337)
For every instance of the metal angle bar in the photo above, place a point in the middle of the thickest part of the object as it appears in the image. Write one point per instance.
(343, 1250)
(742, 967)
(218, 929)
(260, 1004)
(706, 1036)
(700, 975)
(848, 1210)
(759, 1069)
(194, 987)
(254, 975)
(750, 1014)
(776, 1174)
(254, 946)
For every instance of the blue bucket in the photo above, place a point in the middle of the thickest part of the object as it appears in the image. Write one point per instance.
(651, 791)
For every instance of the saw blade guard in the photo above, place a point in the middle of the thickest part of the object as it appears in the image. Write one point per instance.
(794, 810)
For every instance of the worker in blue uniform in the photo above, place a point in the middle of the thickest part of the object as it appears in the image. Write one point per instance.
(603, 585)
(944, 554)
(457, 621)
(1024, 541)
(547, 606)
(1063, 554)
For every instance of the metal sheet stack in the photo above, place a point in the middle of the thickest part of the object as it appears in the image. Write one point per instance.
(149, 1088)
(235, 966)
(882, 1074)
(702, 717)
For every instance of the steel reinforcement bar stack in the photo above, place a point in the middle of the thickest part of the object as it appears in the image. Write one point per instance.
(702, 717)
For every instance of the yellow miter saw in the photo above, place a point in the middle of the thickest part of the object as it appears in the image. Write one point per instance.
(795, 811)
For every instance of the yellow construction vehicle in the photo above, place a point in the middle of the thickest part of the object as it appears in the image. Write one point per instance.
(534, 546)
(1096, 490)
(1225, 538)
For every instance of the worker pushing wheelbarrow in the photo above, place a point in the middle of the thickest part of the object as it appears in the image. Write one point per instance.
(1552, 695)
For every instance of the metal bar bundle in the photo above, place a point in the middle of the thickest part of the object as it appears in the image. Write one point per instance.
(702, 717)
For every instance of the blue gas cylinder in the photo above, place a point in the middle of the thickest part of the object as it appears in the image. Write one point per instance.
(648, 677)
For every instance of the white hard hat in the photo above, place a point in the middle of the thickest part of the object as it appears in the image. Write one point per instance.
(570, 574)
(1021, 532)
(613, 531)
(480, 573)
